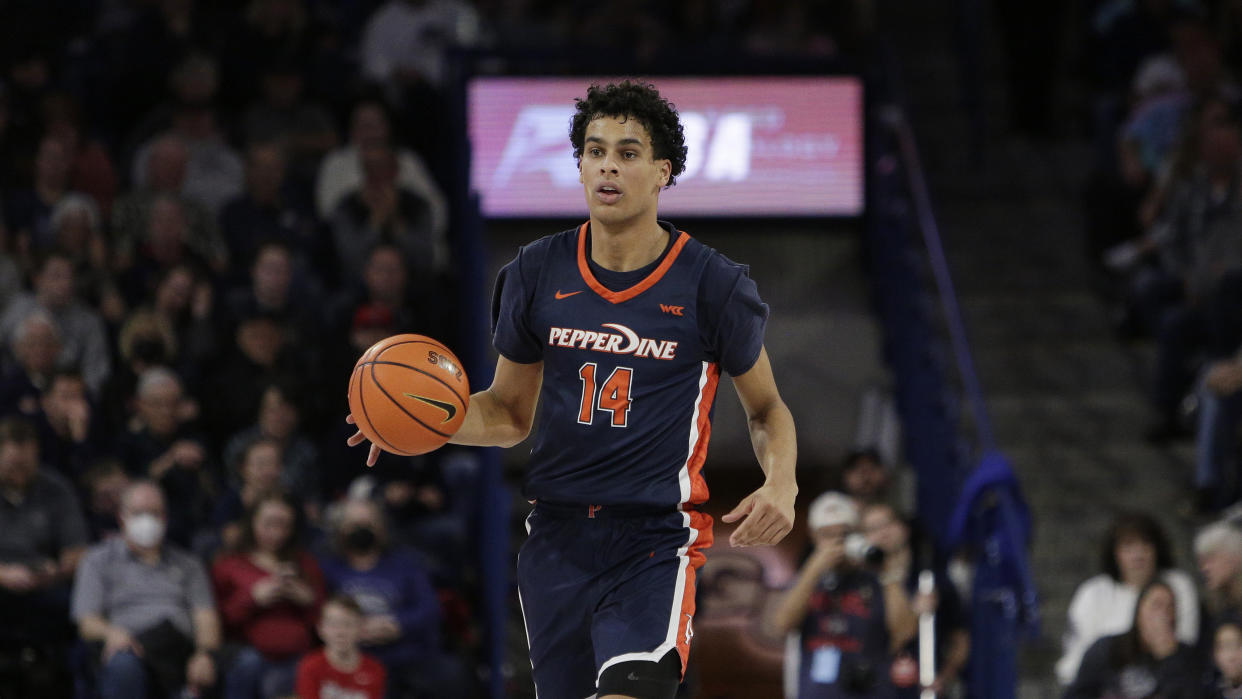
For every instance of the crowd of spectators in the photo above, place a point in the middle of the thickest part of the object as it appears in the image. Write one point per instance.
(1164, 213)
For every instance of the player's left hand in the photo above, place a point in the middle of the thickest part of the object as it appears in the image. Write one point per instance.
(768, 516)
(359, 438)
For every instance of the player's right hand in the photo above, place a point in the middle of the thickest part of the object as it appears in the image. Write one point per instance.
(359, 438)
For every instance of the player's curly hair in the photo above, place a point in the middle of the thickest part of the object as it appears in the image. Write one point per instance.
(633, 100)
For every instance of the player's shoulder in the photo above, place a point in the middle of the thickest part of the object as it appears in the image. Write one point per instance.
(714, 263)
(533, 255)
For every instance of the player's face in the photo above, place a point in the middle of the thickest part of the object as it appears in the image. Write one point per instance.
(619, 173)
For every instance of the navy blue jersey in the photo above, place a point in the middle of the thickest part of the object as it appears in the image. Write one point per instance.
(630, 373)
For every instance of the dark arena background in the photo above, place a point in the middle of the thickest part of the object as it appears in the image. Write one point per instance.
(1001, 243)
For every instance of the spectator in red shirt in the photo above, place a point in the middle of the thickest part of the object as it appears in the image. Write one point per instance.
(269, 594)
(340, 670)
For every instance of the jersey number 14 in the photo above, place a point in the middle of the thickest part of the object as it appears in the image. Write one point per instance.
(613, 396)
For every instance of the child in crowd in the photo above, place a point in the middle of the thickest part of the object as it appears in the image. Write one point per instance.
(1227, 652)
(340, 670)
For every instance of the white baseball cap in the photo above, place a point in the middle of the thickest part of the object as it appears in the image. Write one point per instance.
(830, 509)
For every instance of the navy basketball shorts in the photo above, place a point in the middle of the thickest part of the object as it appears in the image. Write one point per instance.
(602, 585)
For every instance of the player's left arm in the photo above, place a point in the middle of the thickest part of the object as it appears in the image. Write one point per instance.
(768, 513)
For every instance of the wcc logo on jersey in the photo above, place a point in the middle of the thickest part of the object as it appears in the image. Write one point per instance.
(622, 341)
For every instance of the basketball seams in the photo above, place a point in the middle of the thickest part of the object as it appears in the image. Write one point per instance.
(400, 407)
(442, 348)
(426, 373)
(362, 401)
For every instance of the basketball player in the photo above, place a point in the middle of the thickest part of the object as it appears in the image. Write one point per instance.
(621, 328)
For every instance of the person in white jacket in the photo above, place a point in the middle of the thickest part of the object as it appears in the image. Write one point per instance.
(341, 170)
(1135, 552)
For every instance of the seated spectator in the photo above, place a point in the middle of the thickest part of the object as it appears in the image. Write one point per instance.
(870, 617)
(104, 483)
(402, 615)
(67, 438)
(418, 509)
(866, 478)
(1135, 552)
(77, 232)
(382, 211)
(184, 299)
(1146, 661)
(161, 445)
(383, 304)
(90, 168)
(213, 170)
(1227, 657)
(147, 606)
(340, 668)
(83, 337)
(341, 172)
(36, 346)
(165, 246)
(268, 211)
(1218, 473)
(146, 340)
(272, 290)
(1202, 255)
(261, 353)
(407, 43)
(283, 114)
(42, 538)
(1218, 548)
(269, 594)
(163, 176)
(886, 531)
(259, 473)
(29, 211)
(279, 422)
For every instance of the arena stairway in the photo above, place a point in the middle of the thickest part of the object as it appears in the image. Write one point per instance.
(1067, 399)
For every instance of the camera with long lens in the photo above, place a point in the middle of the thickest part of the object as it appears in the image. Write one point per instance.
(863, 552)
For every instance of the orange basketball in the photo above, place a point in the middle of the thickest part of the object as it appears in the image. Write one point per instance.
(408, 394)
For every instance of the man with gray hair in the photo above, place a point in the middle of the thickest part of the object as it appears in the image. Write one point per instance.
(1218, 547)
(35, 346)
(84, 341)
(148, 605)
(161, 446)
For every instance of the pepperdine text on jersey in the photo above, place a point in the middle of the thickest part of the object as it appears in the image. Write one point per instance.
(627, 342)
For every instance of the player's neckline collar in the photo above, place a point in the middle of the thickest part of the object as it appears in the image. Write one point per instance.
(625, 294)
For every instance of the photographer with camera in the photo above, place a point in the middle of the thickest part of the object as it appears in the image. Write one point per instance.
(889, 538)
(850, 620)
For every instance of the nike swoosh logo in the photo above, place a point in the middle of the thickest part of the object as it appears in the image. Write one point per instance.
(450, 410)
(560, 295)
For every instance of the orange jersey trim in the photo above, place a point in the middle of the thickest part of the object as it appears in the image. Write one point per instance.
(703, 524)
(694, 465)
(626, 294)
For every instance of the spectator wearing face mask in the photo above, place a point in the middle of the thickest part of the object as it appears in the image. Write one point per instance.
(401, 623)
(147, 606)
